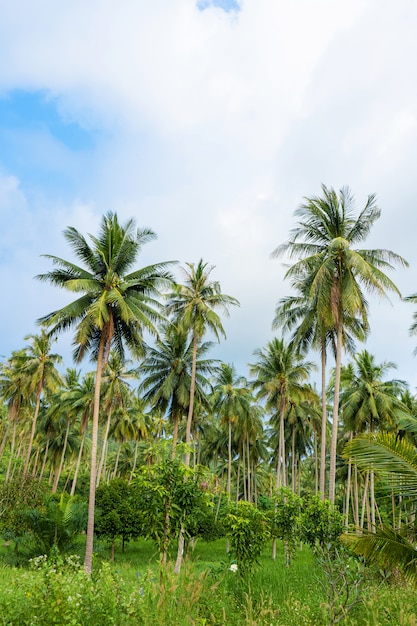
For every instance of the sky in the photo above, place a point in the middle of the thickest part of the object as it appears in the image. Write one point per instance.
(208, 122)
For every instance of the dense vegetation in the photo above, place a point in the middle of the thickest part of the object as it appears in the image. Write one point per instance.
(162, 443)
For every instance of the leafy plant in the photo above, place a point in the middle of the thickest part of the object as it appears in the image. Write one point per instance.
(248, 530)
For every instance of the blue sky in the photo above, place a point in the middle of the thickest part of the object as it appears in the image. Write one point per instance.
(207, 122)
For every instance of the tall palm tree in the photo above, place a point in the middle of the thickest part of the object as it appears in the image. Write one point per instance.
(369, 402)
(116, 392)
(81, 400)
(323, 244)
(280, 373)
(312, 328)
(40, 366)
(231, 402)
(394, 459)
(14, 392)
(166, 374)
(113, 310)
(194, 305)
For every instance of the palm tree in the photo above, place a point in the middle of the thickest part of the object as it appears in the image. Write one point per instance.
(195, 305)
(231, 402)
(313, 329)
(81, 400)
(14, 392)
(280, 373)
(40, 366)
(166, 374)
(113, 310)
(394, 459)
(115, 396)
(369, 402)
(323, 244)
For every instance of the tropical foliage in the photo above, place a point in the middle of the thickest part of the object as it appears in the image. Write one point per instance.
(170, 444)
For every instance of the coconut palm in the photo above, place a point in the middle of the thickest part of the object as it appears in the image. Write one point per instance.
(14, 392)
(323, 244)
(231, 402)
(166, 374)
(394, 459)
(113, 310)
(194, 305)
(280, 373)
(81, 401)
(116, 394)
(312, 328)
(40, 366)
(369, 402)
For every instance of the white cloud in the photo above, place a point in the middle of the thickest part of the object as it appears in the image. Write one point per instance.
(214, 125)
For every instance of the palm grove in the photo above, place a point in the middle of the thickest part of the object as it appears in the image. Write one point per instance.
(156, 393)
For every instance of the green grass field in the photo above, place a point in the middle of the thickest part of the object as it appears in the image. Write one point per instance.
(135, 591)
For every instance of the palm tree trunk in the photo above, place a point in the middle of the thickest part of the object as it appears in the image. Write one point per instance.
(64, 449)
(175, 434)
(12, 446)
(333, 448)
(32, 432)
(45, 456)
(282, 440)
(355, 505)
(191, 405)
(248, 472)
(88, 562)
(372, 495)
(349, 480)
(316, 463)
(293, 477)
(238, 480)
(323, 421)
(135, 460)
(5, 437)
(229, 464)
(364, 499)
(116, 465)
(77, 467)
(104, 449)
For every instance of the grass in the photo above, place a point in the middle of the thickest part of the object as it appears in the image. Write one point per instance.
(133, 591)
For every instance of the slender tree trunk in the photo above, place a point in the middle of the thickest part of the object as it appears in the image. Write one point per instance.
(347, 503)
(116, 465)
(77, 467)
(88, 562)
(364, 499)
(45, 456)
(229, 463)
(188, 442)
(12, 446)
(175, 434)
(293, 477)
(32, 432)
(282, 438)
(333, 448)
(135, 460)
(104, 449)
(316, 463)
(5, 436)
(372, 494)
(191, 405)
(248, 471)
(58, 474)
(242, 461)
(323, 421)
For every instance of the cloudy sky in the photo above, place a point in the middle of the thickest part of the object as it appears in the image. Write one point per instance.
(208, 122)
